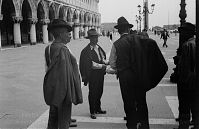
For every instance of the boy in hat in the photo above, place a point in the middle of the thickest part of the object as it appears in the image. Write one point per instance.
(92, 69)
(62, 84)
(140, 66)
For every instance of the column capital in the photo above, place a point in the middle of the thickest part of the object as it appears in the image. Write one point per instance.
(17, 19)
(45, 21)
(33, 20)
(76, 24)
(71, 23)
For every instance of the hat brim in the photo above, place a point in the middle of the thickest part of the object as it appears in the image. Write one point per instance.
(51, 27)
(122, 25)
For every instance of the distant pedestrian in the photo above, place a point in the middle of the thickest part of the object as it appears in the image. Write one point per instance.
(187, 89)
(62, 84)
(92, 68)
(140, 66)
(111, 36)
(164, 36)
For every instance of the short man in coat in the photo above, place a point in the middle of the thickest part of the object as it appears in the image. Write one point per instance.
(164, 36)
(140, 66)
(92, 69)
(62, 84)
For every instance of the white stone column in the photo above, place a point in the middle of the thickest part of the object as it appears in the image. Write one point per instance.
(98, 30)
(1, 18)
(33, 38)
(45, 31)
(81, 30)
(76, 31)
(85, 30)
(0, 38)
(17, 31)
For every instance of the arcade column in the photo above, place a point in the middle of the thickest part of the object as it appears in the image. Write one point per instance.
(33, 39)
(1, 18)
(45, 31)
(17, 31)
(85, 30)
(76, 30)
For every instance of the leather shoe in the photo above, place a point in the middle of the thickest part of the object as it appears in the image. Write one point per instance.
(93, 116)
(73, 120)
(73, 125)
(101, 112)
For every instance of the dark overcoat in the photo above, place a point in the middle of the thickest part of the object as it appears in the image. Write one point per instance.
(147, 61)
(85, 63)
(62, 79)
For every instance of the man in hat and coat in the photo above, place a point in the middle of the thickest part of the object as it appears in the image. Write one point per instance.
(92, 68)
(140, 66)
(164, 36)
(62, 84)
(187, 89)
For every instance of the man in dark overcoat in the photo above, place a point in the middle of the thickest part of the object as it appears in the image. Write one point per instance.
(187, 89)
(92, 69)
(62, 84)
(140, 66)
(164, 36)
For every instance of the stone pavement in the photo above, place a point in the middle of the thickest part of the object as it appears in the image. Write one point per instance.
(21, 95)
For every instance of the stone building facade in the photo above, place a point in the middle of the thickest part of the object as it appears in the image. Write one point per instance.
(26, 21)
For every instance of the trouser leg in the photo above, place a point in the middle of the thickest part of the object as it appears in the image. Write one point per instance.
(142, 110)
(53, 118)
(99, 90)
(64, 115)
(128, 96)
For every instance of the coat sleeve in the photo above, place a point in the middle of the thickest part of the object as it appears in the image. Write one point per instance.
(85, 65)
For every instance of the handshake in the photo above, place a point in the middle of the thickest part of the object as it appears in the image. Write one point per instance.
(108, 69)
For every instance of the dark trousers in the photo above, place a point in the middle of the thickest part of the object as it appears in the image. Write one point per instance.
(60, 117)
(187, 106)
(134, 99)
(165, 43)
(96, 84)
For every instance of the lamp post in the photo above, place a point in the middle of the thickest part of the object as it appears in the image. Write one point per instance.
(138, 20)
(145, 13)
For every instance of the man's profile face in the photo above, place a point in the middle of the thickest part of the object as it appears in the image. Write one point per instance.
(66, 36)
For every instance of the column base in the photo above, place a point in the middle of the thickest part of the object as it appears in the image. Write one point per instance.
(17, 45)
(33, 43)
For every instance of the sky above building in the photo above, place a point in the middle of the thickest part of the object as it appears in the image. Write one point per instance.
(166, 12)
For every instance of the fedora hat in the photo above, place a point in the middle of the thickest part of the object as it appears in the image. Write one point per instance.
(187, 26)
(59, 23)
(121, 22)
(92, 32)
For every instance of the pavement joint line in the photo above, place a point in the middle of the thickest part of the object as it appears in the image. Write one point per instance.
(173, 104)
(41, 122)
(3, 49)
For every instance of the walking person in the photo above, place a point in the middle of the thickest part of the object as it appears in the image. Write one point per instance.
(92, 68)
(164, 36)
(187, 92)
(140, 66)
(62, 84)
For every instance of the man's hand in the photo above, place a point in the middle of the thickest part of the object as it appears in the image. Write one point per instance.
(103, 67)
(109, 70)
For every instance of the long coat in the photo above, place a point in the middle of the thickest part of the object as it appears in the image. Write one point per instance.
(85, 63)
(62, 79)
(186, 65)
(147, 61)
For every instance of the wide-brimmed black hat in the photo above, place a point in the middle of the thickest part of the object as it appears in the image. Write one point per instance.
(92, 32)
(59, 23)
(187, 26)
(121, 22)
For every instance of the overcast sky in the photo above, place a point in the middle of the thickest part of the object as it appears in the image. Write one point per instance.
(166, 11)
